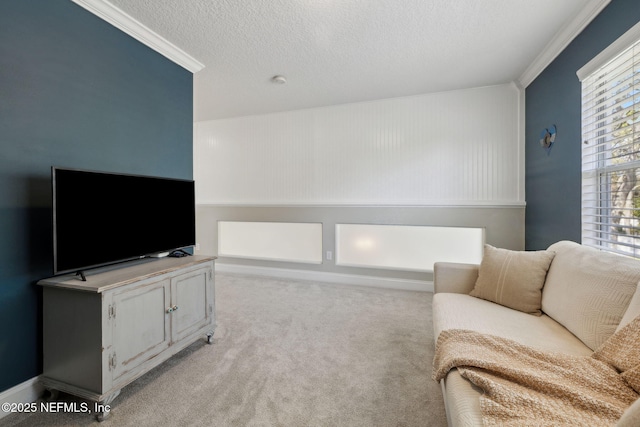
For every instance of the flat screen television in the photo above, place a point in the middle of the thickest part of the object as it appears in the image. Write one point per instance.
(102, 218)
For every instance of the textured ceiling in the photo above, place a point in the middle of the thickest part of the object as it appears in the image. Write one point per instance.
(342, 51)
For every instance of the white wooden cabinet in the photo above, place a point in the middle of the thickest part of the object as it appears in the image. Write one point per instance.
(101, 334)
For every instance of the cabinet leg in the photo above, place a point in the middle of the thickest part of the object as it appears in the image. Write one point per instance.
(103, 408)
(101, 416)
(210, 338)
(50, 395)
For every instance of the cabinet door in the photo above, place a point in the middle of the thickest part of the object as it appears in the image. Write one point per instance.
(192, 294)
(140, 326)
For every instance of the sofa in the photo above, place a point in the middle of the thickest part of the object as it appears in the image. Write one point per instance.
(568, 300)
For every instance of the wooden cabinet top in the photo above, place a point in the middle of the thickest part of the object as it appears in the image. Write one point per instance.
(105, 278)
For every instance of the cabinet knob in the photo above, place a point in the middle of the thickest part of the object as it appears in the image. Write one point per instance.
(175, 307)
(169, 310)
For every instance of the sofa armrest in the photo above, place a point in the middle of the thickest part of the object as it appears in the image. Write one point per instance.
(454, 277)
(630, 417)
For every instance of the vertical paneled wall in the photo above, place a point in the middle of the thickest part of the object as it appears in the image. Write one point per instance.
(452, 159)
(446, 148)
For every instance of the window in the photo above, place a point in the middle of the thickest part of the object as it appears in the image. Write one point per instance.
(611, 148)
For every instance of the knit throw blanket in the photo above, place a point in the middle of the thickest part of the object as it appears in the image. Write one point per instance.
(527, 387)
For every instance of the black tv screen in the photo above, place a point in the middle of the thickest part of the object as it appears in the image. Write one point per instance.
(102, 218)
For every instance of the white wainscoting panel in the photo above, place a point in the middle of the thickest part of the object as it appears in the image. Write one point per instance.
(406, 247)
(451, 148)
(277, 241)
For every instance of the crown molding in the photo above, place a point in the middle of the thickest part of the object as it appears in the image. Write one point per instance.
(561, 40)
(140, 32)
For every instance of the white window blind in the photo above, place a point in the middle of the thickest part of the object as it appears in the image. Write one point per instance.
(611, 154)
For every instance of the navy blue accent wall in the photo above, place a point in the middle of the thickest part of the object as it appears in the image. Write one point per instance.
(74, 92)
(553, 182)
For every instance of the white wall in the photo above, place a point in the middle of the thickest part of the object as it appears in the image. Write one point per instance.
(450, 148)
(451, 159)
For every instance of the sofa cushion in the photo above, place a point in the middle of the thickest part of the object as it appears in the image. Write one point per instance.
(513, 278)
(459, 311)
(588, 291)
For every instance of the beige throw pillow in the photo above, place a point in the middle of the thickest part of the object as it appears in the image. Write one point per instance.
(513, 278)
(621, 352)
(632, 377)
(621, 349)
(632, 312)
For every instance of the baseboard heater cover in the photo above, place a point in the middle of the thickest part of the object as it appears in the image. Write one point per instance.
(275, 241)
(406, 247)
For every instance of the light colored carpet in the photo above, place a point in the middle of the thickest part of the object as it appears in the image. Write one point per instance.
(290, 353)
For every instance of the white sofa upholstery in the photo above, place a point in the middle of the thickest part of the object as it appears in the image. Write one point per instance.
(585, 296)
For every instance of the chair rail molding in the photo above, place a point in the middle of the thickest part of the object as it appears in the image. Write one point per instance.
(140, 32)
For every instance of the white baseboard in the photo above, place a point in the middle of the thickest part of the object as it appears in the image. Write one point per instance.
(26, 392)
(320, 276)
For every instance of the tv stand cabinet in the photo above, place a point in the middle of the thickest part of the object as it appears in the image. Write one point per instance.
(102, 334)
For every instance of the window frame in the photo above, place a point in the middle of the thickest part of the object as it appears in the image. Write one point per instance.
(611, 102)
